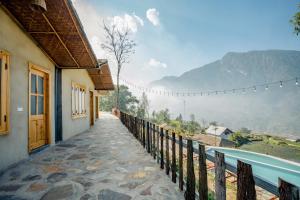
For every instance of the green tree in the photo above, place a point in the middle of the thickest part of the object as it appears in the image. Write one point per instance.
(193, 126)
(179, 118)
(128, 102)
(163, 116)
(143, 107)
(238, 138)
(296, 22)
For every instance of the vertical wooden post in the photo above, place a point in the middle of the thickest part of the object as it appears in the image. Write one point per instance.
(180, 163)
(203, 189)
(148, 138)
(220, 181)
(173, 158)
(167, 153)
(245, 182)
(190, 181)
(153, 141)
(287, 191)
(157, 146)
(161, 148)
(144, 133)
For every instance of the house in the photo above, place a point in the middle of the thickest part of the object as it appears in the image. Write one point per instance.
(50, 80)
(219, 131)
(212, 140)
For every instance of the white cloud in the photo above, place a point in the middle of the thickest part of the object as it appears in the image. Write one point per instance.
(153, 16)
(156, 63)
(127, 21)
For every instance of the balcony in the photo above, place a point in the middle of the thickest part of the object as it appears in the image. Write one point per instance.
(106, 162)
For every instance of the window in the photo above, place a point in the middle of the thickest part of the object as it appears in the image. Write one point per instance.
(78, 100)
(4, 92)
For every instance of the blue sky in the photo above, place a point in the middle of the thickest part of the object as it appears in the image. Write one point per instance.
(189, 34)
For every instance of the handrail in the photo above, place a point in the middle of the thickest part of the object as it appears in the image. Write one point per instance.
(145, 133)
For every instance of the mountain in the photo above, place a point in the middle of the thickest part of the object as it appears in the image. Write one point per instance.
(238, 70)
(276, 111)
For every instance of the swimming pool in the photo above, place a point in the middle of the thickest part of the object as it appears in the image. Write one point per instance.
(265, 167)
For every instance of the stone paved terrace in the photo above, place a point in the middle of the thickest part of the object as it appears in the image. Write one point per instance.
(105, 163)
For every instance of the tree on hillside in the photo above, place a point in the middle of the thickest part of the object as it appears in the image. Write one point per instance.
(179, 118)
(296, 22)
(193, 126)
(120, 46)
(128, 102)
(143, 107)
(163, 116)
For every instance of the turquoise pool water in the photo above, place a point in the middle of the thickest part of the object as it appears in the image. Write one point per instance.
(265, 167)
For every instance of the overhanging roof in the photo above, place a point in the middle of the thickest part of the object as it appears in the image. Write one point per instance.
(58, 32)
(101, 76)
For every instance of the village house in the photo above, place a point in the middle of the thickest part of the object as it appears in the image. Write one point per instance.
(50, 80)
(219, 131)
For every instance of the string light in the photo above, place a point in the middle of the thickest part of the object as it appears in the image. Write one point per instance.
(138, 88)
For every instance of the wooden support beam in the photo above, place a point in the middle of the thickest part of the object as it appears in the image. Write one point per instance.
(161, 148)
(245, 182)
(93, 57)
(173, 168)
(190, 179)
(203, 188)
(148, 138)
(153, 141)
(61, 41)
(167, 153)
(288, 191)
(180, 163)
(220, 181)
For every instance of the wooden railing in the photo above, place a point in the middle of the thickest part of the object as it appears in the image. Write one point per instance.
(153, 137)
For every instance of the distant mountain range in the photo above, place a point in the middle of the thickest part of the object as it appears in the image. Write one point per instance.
(277, 111)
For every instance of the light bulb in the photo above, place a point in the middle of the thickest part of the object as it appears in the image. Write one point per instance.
(267, 87)
(254, 88)
(297, 83)
(281, 84)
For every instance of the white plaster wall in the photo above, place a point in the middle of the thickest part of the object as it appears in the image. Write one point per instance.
(14, 145)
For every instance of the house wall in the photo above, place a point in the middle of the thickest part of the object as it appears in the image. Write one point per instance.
(73, 126)
(14, 145)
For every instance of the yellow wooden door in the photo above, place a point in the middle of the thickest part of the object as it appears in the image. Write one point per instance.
(38, 135)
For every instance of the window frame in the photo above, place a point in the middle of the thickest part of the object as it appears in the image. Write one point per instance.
(5, 90)
(78, 95)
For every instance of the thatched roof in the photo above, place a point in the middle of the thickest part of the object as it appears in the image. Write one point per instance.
(58, 32)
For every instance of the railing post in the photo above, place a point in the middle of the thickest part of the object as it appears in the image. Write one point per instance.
(173, 158)
(144, 139)
(287, 191)
(180, 163)
(157, 146)
(153, 141)
(220, 181)
(190, 181)
(161, 148)
(203, 189)
(148, 138)
(245, 182)
(167, 153)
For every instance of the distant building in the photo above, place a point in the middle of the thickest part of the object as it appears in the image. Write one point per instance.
(211, 140)
(219, 131)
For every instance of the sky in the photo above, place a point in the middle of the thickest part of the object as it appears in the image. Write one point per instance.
(174, 36)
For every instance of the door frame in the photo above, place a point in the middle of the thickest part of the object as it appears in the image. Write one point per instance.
(92, 112)
(31, 67)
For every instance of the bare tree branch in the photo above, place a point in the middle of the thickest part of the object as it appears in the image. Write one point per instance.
(119, 44)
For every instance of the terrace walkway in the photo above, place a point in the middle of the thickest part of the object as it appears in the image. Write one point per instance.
(105, 163)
